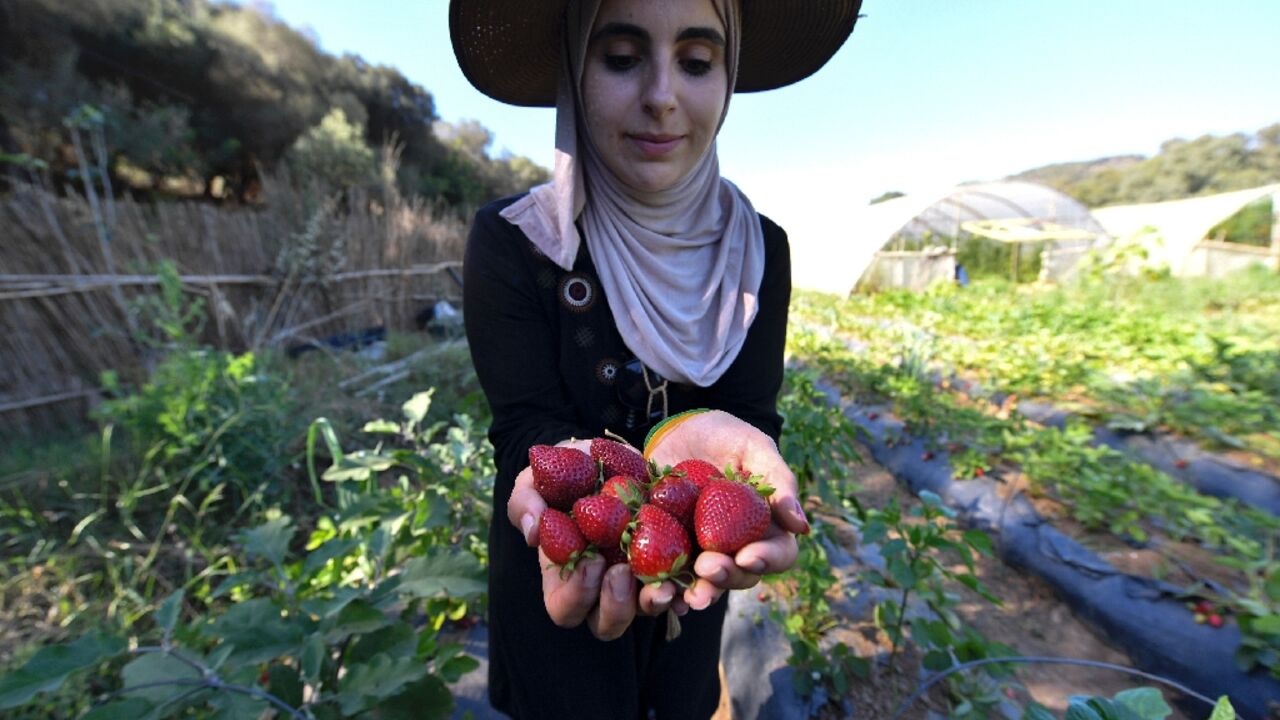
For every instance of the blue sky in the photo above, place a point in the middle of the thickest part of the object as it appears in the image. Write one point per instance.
(926, 93)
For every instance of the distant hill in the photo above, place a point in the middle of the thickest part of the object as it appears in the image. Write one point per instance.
(1183, 168)
(195, 95)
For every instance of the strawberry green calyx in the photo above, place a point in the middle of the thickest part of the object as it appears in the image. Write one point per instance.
(756, 481)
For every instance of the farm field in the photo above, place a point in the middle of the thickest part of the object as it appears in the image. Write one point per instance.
(246, 534)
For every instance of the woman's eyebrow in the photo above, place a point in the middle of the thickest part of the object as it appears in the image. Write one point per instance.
(629, 30)
(620, 28)
(701, 33)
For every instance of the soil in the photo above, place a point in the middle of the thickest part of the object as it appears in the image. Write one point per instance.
(1031, 619)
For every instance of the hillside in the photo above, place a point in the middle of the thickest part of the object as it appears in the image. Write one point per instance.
(194, 97)
(1183, 168)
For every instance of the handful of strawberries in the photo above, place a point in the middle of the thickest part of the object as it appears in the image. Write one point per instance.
(612, 503)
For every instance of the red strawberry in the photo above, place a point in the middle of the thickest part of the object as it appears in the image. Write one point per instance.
(1215, 621)
(659, 547)
(602, 519)
(676, 494)
(625, 489)
(613, 555)
(560, 539)
(729, 515)
(699, 471)
(619, 459)
(562, 474)
(1181, 463)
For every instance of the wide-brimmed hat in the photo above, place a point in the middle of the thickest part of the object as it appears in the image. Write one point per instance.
(510, 49)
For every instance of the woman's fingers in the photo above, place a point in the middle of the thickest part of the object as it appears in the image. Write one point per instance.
(569, 599)
(617, 607)
(656, 599)
(525, 506)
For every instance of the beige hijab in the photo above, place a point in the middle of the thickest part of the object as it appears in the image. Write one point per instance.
(681, 267)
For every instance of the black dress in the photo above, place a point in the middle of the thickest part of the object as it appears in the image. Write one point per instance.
(553, 365)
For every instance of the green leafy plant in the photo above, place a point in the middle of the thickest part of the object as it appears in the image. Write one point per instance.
(347, 623)
(915, 545)
(818, 441)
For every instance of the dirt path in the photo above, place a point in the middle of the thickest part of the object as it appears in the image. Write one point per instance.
(1031, 620)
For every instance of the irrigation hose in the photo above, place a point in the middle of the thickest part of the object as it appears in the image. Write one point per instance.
(1043, 660)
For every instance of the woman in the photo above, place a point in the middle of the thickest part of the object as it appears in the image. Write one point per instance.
(635, 286)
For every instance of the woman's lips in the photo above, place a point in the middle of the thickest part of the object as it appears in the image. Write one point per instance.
(655, 145)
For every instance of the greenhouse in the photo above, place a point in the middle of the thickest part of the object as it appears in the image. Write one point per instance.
(1180, 234)
(911, 241)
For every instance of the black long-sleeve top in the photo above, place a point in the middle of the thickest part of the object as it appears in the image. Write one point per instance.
(553, 366)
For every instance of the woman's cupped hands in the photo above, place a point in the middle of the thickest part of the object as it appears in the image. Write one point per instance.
(604, 595)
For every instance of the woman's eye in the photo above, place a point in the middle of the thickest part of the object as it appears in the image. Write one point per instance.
(620, 63)
(696, 67)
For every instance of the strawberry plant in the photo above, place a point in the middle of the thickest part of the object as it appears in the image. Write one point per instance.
(915, 545)
(818, 441)
(804, 614)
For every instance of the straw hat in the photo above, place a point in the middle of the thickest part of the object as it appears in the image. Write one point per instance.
(510, 49)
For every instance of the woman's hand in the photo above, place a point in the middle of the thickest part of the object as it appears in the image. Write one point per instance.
(604, 598)
(724, 440)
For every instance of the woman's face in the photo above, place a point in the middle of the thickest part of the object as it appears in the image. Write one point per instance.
(653, 87)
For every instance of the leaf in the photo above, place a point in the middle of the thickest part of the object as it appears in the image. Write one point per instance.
(1036, 711)
(936, 660)
(359, 465)
(312, 661)
(156, 668)
(1272, 585)
(356, 618)
(381, 426)
(1079, 709)
(457, 574)
(48, 668)
(318, 558)
(415, 409)
(237, 706)
(167, 614)
(1223, 710)
(269, 540)
(426, 699)
(1147, 703)
(258, 631)
(380, 678)
(978, 540)
(123, 709)
(1267, 625)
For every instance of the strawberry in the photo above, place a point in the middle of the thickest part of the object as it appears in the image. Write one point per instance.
(729, 515)
(699, 471)
(561, 475)
(561, 540)
(602, 519)
(1215, 620)
(625, 489)
(676, 494)
(619, 459)
(613, 555)
(658, 547)
(1181, 463)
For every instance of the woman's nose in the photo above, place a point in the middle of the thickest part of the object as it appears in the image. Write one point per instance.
(659, 91)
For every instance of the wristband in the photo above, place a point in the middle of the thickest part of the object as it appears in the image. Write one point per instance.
(660, 430)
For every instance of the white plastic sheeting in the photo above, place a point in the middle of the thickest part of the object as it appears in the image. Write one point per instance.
(1170, 231)
(835, 264)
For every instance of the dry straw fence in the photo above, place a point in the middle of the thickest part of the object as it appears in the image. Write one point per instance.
(77, 266)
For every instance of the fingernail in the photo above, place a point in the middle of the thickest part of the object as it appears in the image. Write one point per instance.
(620, 583)
(591, 578)
(799, 513)
(717, 577)
(663, 597)
(526, 527)
(755, 565)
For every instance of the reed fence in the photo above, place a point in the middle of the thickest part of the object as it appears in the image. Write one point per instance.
(77, 265)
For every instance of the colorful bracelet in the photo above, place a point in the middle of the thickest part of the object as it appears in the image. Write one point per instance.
(660, 430)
